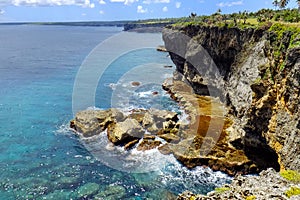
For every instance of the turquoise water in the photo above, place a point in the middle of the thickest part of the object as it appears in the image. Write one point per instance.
(40, 158)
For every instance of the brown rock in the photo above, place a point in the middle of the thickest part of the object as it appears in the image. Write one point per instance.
(165, 149)
(130, 144)
(135, 83)
(171, 138)
(149, 137)
(138, 115)
(148, 145)
(161, 48)
(93, 122)
(126, 131)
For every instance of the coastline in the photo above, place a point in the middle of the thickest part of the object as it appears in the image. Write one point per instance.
(232, 150)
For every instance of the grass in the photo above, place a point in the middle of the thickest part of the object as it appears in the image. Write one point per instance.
(252, 197)
(252, 21)
(291, 175)
(293, 191)
(222, 189)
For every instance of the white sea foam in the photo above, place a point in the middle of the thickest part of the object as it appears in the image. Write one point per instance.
(63, 129)
(112, 85)
(165, 169)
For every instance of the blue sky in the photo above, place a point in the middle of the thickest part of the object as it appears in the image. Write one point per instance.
(103, 10)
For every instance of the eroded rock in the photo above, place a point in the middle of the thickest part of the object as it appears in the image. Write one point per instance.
(126, 131)
(268, 185)
(93, 122)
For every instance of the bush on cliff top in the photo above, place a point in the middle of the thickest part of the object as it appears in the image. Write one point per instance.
(281, 29)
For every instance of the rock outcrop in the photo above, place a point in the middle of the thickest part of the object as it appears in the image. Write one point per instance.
(260, 91)
(240, 95)
(268, 185)
(139, 127)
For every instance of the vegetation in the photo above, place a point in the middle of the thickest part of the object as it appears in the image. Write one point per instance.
(287, 15)
(241, 19)
(283, 3)
(293, 191)
(291, 175)
(252, 197)
(222, 189)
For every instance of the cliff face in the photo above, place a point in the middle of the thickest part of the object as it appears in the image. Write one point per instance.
(145, 27)
(259, 88)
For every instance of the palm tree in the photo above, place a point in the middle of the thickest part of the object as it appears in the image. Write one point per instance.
(283, 3)
(245, 16)
(276, 3)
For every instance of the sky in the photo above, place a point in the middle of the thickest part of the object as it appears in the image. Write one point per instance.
(113, 10)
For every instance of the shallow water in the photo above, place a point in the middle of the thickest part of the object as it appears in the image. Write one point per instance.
(39, 156)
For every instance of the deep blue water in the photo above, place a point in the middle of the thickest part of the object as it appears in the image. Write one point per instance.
(39, 156)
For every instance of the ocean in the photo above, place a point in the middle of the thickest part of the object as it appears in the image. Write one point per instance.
(47, 74)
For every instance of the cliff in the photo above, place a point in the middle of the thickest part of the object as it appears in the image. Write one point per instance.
(147, 27)
(256, 74)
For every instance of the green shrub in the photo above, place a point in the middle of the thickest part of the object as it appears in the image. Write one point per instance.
(222, 189)
(252, 197)
(292, 192)
(291, 175)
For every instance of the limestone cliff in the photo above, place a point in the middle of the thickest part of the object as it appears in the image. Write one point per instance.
(258, 80)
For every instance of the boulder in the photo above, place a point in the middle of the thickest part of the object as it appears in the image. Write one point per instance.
(135, 83)
(126, 131)
(131, 144)
(148, 144)
(155, 120)
(93, 122)
(149, 123)
(165, 149)
(170, 138)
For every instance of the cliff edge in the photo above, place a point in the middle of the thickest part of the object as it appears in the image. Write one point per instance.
(256, 77)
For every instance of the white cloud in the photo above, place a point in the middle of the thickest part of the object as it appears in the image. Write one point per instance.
(2, 12)
(229, 4)
(126, 2)
(155, 1)
(101, 12)
(83, 14)
(178, 4)
(140, 9)
(83, 3)
(165, 9)
(102, 2)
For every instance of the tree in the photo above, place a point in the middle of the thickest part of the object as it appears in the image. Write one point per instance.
(193, 15)
(276, 3)
(245, 16)
(283, 3)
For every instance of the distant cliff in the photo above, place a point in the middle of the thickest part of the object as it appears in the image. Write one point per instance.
(145, 27)
(258, 81)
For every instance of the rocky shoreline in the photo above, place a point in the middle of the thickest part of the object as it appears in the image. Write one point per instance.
(269, 184)
(200, 140)
(245, 121)
(261, 99)
(127, 129)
